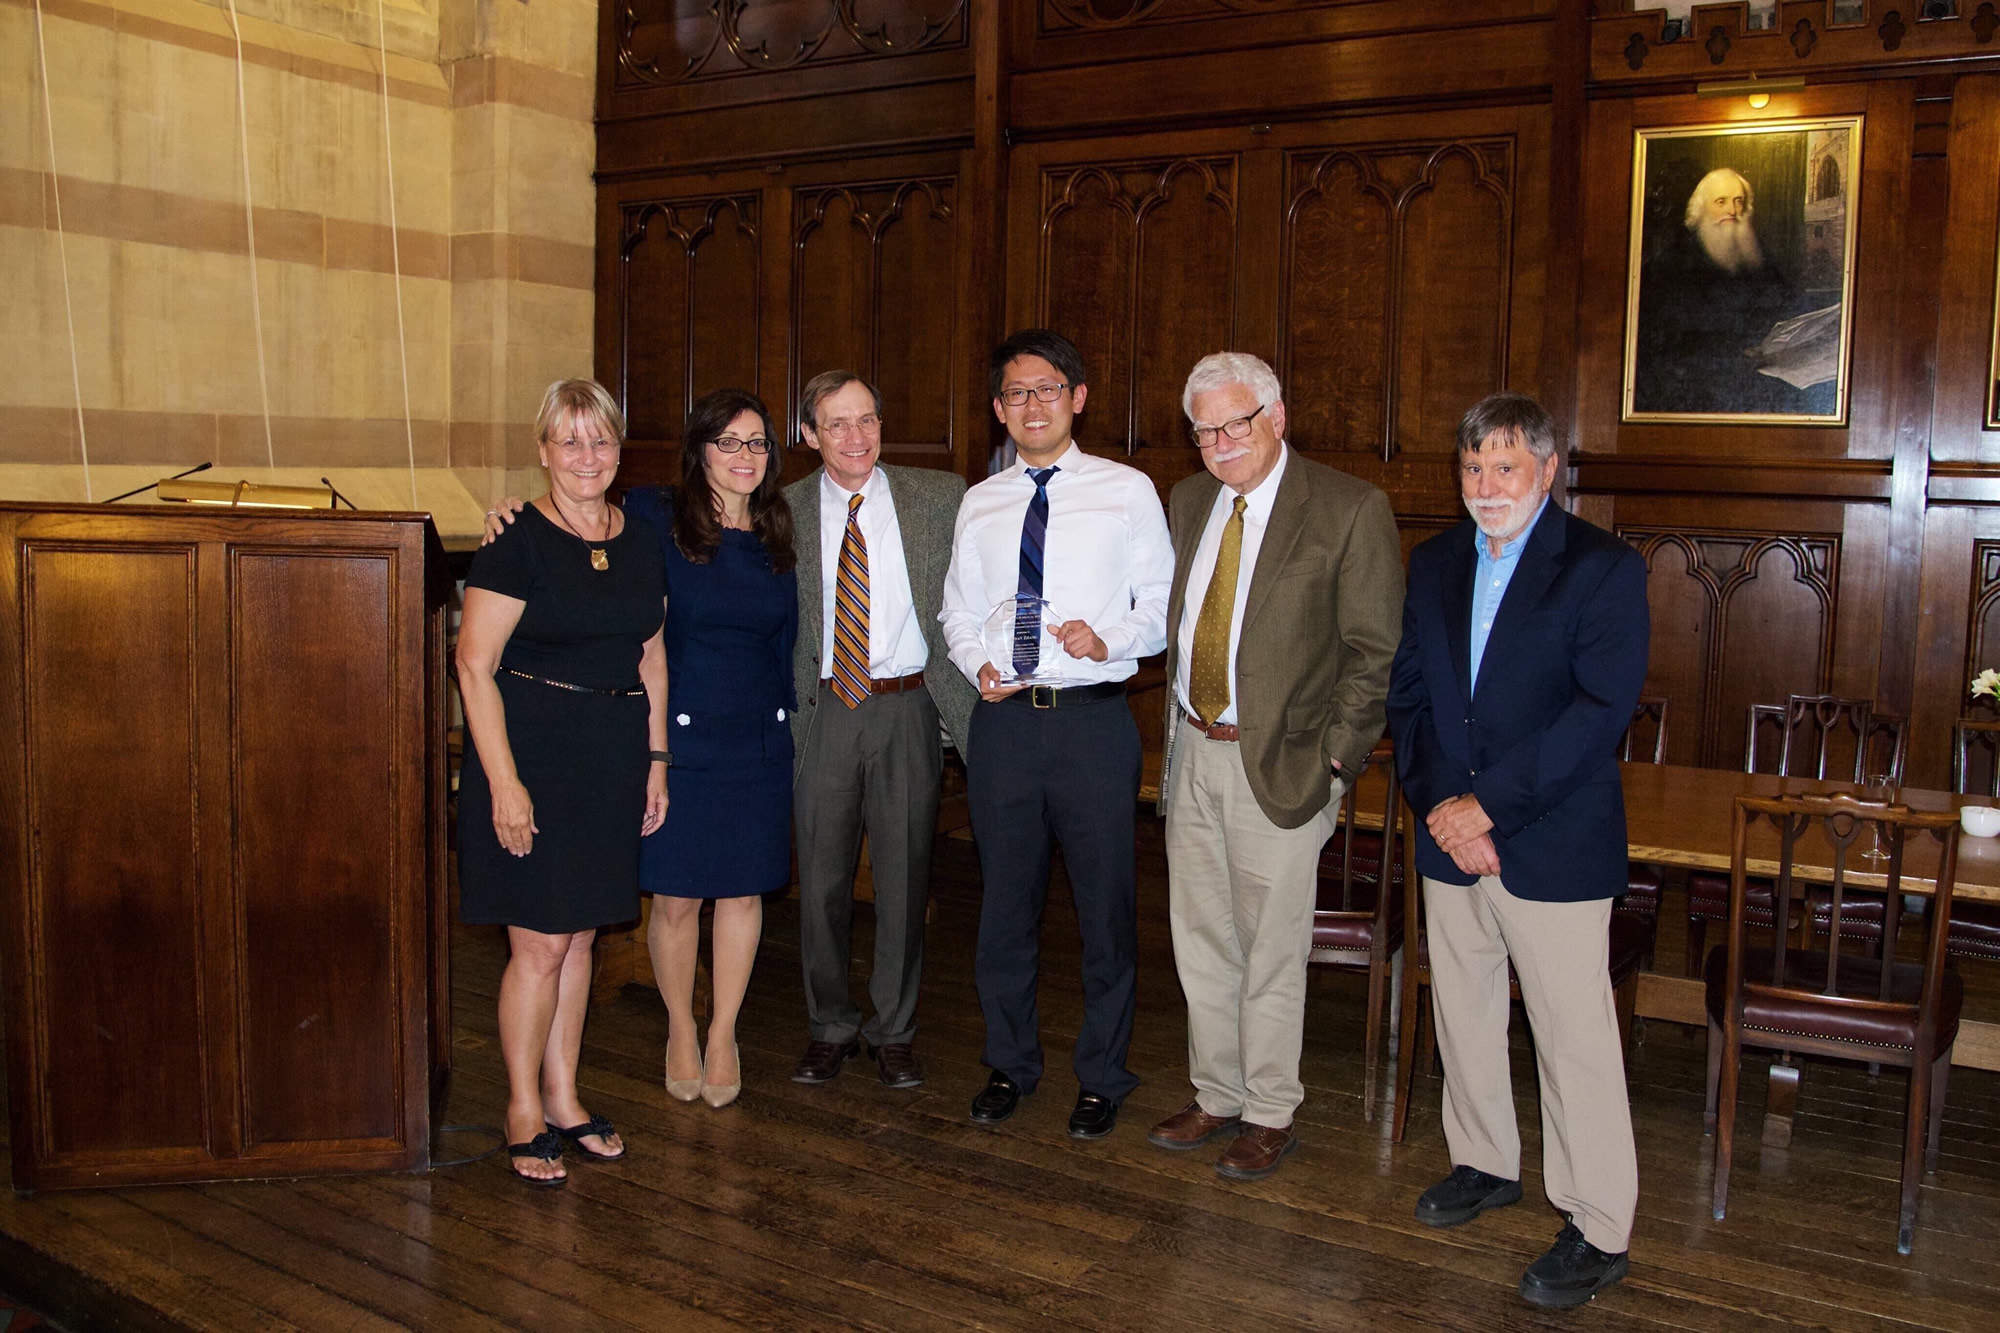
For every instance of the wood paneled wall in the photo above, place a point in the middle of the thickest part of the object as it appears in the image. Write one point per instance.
(1402, 204)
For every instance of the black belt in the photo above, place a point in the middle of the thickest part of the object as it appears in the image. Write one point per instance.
(1048, 696)
(625, 693)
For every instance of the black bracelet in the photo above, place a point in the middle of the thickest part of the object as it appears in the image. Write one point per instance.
(663, 757)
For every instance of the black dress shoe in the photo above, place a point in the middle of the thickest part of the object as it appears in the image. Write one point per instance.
(822, 1061)
(997, 1100)
(1463, 1195)
(898, 1065)
(1094, 1116)
(1571, 1272)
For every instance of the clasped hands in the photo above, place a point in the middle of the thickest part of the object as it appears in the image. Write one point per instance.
(1078, 640)
(1464, 833)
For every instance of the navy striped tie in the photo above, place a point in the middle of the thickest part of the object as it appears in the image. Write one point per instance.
(1034, 536)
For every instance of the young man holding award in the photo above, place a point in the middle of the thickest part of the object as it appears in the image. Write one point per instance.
(1059, 576)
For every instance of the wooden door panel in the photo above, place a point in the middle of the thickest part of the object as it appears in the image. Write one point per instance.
(109, 648)
(1336, 311)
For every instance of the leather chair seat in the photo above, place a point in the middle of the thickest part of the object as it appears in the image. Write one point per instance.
(1367, 854)
(1975, 930)
(1861, 914)
(1353, 930)
(1809, 1015)
(1643, 886)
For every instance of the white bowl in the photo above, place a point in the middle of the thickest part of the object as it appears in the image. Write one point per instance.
(1981, 821)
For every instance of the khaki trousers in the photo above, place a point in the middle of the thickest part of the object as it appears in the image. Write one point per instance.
(1241, 893)
(1560, 953)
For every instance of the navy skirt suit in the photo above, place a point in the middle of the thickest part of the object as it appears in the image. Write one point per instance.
(730, 627)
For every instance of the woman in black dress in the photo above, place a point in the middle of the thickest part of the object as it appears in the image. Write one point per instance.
(562, 670)
(732, 618)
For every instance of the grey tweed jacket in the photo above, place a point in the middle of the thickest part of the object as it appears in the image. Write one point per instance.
(926, 512)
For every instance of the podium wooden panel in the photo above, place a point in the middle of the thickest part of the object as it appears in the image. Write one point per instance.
(222, 841)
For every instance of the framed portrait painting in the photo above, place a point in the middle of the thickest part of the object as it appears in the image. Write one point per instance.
(1740, 278)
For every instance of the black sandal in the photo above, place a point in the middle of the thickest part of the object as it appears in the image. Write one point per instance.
(545, 1147)
(598, 1126)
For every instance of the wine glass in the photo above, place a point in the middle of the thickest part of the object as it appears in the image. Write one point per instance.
(1877, 789)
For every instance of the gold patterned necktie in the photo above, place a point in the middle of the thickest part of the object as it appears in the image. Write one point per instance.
(850, 612)
(1208, 671)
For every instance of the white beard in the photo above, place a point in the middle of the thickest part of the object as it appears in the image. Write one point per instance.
(1731, 247)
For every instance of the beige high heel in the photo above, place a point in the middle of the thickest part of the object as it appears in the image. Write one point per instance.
(719, 1095)
(684, 1089)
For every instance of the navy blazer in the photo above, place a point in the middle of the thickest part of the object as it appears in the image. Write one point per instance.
(1537, 742)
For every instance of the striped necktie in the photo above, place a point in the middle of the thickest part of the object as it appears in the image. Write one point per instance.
(1034, 537)
(850, 612)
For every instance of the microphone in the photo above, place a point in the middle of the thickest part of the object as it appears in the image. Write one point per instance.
(338, 498)
(198, 467)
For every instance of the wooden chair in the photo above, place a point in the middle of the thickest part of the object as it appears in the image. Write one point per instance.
(1975, 769)
(1782, 997)
(1358, 918)
(1644, 883)
(1631, 944)
(1809, 727)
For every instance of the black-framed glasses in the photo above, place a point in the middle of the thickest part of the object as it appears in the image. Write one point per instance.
(1047, 393)
(1236, 428)
(729, 444)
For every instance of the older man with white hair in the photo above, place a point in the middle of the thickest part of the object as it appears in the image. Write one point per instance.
(1281, 624)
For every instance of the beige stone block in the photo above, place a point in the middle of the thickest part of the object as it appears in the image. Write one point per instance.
(476, 201)
(473, 377)
(548, 173)
(478, 311)
(558, 315)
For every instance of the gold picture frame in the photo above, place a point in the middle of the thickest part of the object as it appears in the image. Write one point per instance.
(1739, 301)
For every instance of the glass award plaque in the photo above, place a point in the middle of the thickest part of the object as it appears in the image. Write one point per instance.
(1019, 644)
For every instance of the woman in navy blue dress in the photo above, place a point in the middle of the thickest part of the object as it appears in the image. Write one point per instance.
(732, 616)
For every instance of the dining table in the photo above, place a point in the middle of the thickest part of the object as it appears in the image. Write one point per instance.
(1680, 816)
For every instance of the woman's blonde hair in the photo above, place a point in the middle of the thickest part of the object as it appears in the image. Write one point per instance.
(579, 398)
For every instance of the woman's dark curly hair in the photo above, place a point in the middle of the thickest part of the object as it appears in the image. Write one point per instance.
(697, 510)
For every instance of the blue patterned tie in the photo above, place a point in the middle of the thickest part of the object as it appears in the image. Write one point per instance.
(1034, 535)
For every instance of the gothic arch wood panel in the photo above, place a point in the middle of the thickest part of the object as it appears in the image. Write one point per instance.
(1396, 287)
(1982, 636)
(688, 298)
(1336, 292)
(1738, 618)
(867, 264)
(1138, 266)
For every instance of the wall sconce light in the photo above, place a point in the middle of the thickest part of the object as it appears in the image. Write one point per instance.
(1755, 90)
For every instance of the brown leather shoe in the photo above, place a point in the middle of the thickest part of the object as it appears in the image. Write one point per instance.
(1257, 1151)
(822, 1061)
(1190, 1127)
(898, 1064)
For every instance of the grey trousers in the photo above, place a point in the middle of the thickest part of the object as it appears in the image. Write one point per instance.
(876, 768)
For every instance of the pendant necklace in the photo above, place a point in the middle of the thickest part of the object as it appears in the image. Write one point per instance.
(599, 560)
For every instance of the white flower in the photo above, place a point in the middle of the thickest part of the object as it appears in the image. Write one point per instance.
(1987, 683)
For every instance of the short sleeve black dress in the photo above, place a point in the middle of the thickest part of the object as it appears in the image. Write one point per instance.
(580, 745)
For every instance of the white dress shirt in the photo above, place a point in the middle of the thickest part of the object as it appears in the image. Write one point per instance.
(896, 644)
(1107, 561)
(1256, 518)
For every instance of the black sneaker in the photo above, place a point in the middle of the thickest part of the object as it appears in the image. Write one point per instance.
(1463, 1195)
(1571, 1272)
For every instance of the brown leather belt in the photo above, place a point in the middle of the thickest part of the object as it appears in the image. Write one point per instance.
(1220, 731)
(887, 684)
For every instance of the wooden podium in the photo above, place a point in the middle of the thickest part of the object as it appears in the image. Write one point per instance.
(222, 841)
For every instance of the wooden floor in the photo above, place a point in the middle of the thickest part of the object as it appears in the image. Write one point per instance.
(851, 1205)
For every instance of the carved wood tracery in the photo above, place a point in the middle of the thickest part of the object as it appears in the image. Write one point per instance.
(659, 42)
(1982, 635)
(1395, 286)
(1138, 265)
(1099, 15)
(689, 288)
(867, 263)
(1722, 608)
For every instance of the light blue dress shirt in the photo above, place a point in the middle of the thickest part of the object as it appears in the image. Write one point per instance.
(1489, 584)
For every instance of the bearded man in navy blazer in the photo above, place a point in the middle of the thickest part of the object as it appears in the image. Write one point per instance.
(1523, 653)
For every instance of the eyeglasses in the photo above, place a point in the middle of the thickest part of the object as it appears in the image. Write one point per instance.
(1047, 393)
(866, 425)
(729, 444)
(1236, 428)
(578, 448)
